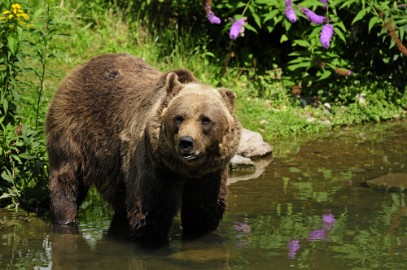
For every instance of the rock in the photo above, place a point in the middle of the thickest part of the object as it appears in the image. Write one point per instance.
(253, 145)
(389, 182)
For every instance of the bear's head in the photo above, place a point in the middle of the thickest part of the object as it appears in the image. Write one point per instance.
(199, 132)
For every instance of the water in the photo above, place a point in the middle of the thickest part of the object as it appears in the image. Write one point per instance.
(309, 208)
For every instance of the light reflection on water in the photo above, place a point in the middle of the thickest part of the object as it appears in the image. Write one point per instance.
(308, 209)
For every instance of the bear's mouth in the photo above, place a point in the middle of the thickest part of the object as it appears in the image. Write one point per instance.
(189, 156)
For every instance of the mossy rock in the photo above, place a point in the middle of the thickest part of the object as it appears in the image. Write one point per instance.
(389, 182)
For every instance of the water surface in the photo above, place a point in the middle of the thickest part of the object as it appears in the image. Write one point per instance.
(309, 208)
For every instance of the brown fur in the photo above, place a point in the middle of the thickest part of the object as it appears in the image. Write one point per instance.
(119, 124)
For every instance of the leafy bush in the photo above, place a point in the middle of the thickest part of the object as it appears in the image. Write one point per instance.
(22, 151)
(363, 44)
(367, 42)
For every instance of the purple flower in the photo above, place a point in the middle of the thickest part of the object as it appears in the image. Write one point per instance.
(237, 29)
(213, 19)
(326, 35)
(293, 247)
(315, 18)
(320, 234)
(328, 219)
(325, 2)
(289, 11)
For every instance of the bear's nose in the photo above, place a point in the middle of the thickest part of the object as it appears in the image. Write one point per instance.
(186, 143)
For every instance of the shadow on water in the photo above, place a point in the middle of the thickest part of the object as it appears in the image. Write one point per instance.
(310, 207)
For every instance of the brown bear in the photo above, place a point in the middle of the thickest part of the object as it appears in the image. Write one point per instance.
(152, 144)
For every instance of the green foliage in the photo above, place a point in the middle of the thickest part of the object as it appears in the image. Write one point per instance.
(361, 41)
(366, 54)
(22, 151)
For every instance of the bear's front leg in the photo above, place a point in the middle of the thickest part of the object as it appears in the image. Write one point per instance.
(149, 227)
(203, 203)
(150, 213)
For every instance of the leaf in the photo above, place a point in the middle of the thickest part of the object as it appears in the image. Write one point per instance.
(360, 15)
(262, 2)
(278, 19)
(324, 75)
(340, 34)
(255, 16)
(86, 27)
(372, 22)
(25, 156)
(12, 43)
(249, 27)
(5, 105)
(392, 44)
(300, 59)
(270, 15)
(348, 3)
(311, 3)
(341, 25)
(283, 38)
(256, 19)
(402, 31)
(299, 65)
(6, 175)
(302, 43)
(287, 25)
(16, 158)
(5, 196)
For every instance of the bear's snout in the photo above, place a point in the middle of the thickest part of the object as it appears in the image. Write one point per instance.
(187, 148)
(186, 144)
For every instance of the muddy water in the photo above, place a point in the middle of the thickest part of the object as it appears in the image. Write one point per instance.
(307, 207)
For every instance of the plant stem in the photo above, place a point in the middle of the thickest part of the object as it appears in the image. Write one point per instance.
(43, 65)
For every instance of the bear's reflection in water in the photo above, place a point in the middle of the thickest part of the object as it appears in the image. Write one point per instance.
(115, 251)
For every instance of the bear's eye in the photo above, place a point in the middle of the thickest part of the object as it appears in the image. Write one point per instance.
(178, 119)
(205, 120)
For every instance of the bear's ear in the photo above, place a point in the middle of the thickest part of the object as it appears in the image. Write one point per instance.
(174, 79)
(185, 76)
(229, 96)
(172, 82)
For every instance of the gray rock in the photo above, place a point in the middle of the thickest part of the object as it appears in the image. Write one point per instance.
(253, 145)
